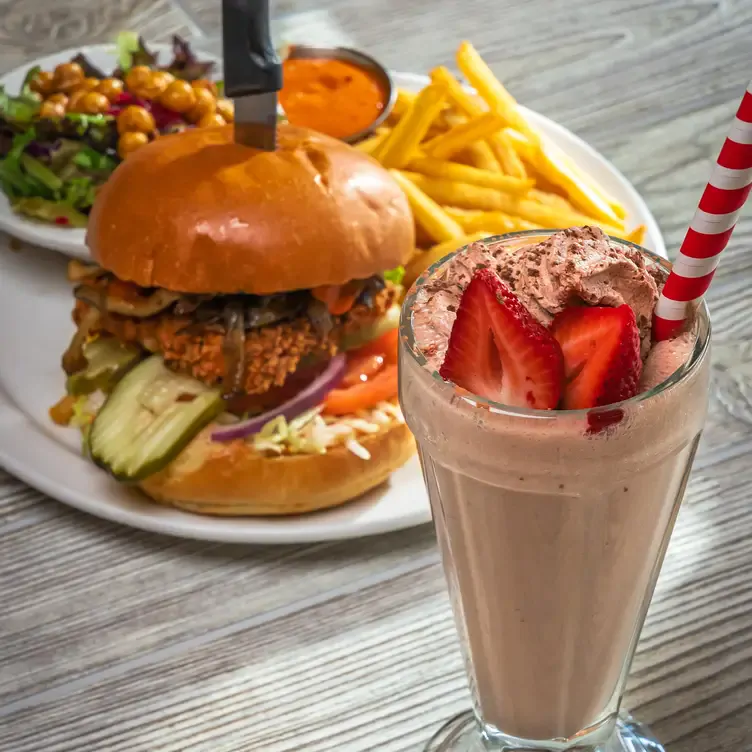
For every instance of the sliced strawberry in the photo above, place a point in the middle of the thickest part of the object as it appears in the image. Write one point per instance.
(601, 348)
(497, 350)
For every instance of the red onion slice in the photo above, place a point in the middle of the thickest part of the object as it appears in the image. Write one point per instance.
(309, 397)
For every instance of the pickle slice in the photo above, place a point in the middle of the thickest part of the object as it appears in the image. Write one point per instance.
(148, 419)
(106, 361)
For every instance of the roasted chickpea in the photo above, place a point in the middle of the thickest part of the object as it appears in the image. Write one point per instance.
(68, 77)
(136, 77)
(112, 88)
(130, 142)
(211, 120)
(42, 83)
(74, 101)
(226, 109)
(153, 87)
(205, 105)
(179, 96)
(90, 84)
(204, 83)
(51, 110)
(94, 103)
(135, 119)
(58, 98)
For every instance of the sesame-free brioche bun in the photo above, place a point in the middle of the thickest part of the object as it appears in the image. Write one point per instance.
(195, 212)
(233, 479)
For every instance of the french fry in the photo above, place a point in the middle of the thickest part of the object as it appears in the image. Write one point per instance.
(521, 145)
(480, 156)
(557, 169)
(616, 207)
(507, 156)
(440, 250)
(466, 196)
(452, 193)
(463, 134)
(439, 168)
(445, 120)
(465, 102)
(463, 216)
(421, 261)
(449, 118)
(397, 149)
(405, 100)
(437, 223)
(522, 224)
(498, 99)
(552, 199)
(458, 96)
(542, 215)
(370, 144)
(474, 220)
(637, 236)
(461, 158)
(498, 222)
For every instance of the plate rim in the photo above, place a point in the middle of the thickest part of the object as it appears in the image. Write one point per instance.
(236, 530)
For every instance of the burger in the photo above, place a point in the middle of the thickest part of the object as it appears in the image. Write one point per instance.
(235, 343)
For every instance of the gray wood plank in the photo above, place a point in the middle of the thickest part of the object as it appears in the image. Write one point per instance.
(378, 667)
(91, 595)
(21, 506)
(113, 639)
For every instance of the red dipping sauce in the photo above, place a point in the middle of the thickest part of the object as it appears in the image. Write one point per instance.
(331, 96)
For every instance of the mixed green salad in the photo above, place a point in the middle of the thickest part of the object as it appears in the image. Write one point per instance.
(51, 167)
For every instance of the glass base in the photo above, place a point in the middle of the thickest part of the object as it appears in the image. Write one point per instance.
(460, 734)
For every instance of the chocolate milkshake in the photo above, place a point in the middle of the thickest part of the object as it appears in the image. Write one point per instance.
(552, 523)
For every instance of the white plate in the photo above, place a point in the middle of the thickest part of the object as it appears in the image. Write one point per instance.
(35, 303)
(71, 240)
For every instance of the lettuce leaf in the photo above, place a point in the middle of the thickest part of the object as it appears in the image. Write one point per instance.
(396, 275)
(20, 110)
(127, 44)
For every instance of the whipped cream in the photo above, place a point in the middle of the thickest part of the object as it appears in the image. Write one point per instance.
(580, 265)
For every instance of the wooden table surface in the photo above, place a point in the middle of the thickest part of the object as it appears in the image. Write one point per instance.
(115, 639)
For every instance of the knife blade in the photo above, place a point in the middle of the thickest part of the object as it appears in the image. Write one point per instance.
(252, 71)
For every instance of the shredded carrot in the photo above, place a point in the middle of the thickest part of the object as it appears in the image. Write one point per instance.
(62, 412)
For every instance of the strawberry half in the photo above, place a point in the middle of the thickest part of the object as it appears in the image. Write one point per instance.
(601, 348)
(497, 350)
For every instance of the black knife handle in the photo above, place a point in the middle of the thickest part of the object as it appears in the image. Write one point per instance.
(251, 64)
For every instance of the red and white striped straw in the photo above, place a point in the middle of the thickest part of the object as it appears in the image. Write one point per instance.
(711, 227)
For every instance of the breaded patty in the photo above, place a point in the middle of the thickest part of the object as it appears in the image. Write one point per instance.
(272, 352)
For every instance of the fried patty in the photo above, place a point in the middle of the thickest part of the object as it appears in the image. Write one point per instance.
(272, 352)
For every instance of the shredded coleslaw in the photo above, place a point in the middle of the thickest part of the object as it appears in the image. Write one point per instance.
(314, 433)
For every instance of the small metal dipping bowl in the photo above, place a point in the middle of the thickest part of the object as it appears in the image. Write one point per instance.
(348, 55)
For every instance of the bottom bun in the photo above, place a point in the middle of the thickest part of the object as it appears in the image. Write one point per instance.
(233, 479)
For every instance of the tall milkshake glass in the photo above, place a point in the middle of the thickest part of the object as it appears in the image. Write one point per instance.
(551, 539)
